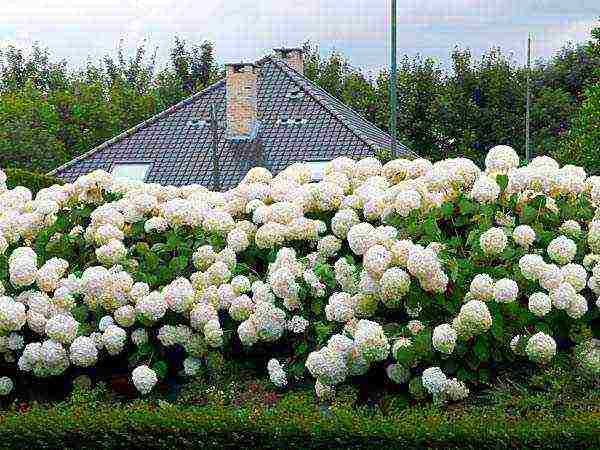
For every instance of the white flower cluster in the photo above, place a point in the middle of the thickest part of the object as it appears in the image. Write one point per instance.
(144, 379)
(6, 386)
(344, 356)
(276, 373)
(341, 253)
(493, 241)
(540, 348)
(588, 356)
(22, 266)
(441, 388)
(444, 338)
(562, 250)
(474, 318)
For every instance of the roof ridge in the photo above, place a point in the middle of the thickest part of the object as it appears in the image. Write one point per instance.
(171, 109)
(309, 86)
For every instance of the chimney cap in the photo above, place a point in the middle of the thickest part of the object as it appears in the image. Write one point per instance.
(286, 50)
(239, 65)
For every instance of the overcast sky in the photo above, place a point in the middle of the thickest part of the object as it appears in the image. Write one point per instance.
(247, 29)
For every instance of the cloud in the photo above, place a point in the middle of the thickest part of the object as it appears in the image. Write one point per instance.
(247, 29)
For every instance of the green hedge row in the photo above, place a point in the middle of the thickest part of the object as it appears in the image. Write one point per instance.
(34, 181)
(296, 421)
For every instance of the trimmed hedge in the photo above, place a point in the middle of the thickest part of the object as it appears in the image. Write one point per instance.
(31, 180)
(296, 421)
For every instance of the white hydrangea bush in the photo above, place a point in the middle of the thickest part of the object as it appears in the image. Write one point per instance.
(421, 272)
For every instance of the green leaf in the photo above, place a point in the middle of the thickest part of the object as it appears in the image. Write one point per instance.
(497, 326)
(481, 348)
(241, 269)
(179, 264)
(137, 230)
(301, 349)
(152, 261)
(465, 375)
(466, 206)
(502, 181)
(528, 214)
(80, 313)
(323, 332)
(317, 307)
(159, 248)
(161, 368)
(543, 327)
(431, 229)
(297, 369)
(538, 202)
(165, 275)
(145, 349)
(447, 210)
(484, 375)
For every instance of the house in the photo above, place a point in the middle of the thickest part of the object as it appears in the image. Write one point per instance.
(268, 113)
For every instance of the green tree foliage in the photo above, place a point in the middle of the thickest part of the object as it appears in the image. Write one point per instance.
(192, 69)
(29, 126)
(573, 68)
(582, 143)
(50, 113)
(344, 82)
(420, 84)
(477, 104)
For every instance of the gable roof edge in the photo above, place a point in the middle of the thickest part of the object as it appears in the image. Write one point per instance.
(137, 127)
(305, 84)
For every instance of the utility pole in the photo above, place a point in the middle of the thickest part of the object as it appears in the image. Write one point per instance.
(214, 126)
(527, 129)
(393, 83)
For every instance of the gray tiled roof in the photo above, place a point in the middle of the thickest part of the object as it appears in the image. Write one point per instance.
(181, 154)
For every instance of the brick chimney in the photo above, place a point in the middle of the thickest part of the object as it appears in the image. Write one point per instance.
(242, 109)
(294, 57)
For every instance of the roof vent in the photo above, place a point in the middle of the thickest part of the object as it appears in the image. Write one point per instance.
(195, 122)
(295, 95)
(291, 122)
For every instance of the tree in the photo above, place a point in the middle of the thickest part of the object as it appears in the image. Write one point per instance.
(194, 68)
(484, 104)
(551, 113)
(573, 68)
(582, 143)
(28, 130)
(17, 70)
(51, 113)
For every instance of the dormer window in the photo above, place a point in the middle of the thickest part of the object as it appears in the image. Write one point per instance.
(291, 122)
(130, 171)
(195, 122)
(295, 95)
(317, 169)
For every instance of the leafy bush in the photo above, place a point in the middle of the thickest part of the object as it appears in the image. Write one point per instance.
(435, 276)
(85, 422)
(31, 180)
